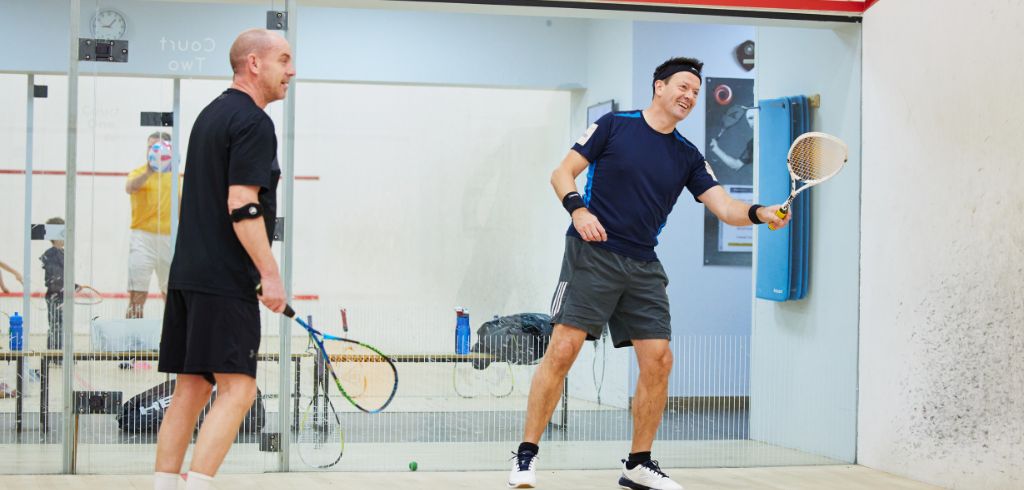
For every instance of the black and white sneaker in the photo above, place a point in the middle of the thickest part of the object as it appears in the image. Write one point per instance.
(524, 470)
(646, 476)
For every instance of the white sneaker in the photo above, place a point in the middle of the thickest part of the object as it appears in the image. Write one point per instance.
(524, 471)
(646, 476)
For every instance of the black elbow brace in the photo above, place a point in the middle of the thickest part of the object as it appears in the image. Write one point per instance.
(248, 211)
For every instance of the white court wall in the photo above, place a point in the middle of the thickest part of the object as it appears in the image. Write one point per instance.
(942, 370)
(803, 375)
(429, 198)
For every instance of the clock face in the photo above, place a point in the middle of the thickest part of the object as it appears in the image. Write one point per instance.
(109, 24)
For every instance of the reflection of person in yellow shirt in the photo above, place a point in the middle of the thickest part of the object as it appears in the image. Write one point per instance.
(150, 251)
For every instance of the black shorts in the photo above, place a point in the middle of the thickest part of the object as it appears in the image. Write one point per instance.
(598, 287)
(207, 333)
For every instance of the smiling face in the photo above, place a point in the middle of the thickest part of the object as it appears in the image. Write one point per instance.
(677, 95)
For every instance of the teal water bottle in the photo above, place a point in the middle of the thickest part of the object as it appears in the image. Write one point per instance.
(461, 331)
(16, 332)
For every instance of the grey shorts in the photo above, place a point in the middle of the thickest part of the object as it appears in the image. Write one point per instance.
(598, 287)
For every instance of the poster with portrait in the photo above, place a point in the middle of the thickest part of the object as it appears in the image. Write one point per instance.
(729, 149)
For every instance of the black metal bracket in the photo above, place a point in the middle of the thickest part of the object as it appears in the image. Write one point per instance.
(270, 442)
(278, 230)
(40, 91)
(47, 232)
(161, 119)
(97, 402)
(112, 50)
(277, 20)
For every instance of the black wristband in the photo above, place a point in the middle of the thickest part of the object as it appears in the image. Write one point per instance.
(752, 214)
(572, 201)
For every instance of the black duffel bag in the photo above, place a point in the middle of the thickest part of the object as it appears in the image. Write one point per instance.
(520, 339)
(145, 412)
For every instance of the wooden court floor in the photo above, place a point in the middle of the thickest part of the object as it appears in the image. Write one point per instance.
(848, 477)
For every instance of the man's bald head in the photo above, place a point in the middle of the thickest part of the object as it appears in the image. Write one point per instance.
(263, 66)
(252, 41)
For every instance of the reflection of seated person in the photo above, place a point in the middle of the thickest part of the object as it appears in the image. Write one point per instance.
(746, 157)
(16, 274)
(149, 186)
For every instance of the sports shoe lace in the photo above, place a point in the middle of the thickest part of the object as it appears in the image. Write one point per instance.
(653, 466)
(524, 460)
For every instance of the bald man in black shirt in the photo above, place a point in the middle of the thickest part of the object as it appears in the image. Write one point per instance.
(211, 329)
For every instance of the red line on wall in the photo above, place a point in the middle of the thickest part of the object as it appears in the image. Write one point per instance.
(297, 297)
(11, 171)
(853, 6)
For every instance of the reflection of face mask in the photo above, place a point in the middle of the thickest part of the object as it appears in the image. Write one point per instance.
(159, 156)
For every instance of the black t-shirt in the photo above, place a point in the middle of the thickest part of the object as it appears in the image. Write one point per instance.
(232, 143)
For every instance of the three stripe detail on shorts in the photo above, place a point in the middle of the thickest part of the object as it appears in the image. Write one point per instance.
(556, 302)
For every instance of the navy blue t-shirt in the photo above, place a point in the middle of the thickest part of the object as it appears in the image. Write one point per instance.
(634, 178)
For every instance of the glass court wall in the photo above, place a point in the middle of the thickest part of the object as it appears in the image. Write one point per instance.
(415, 181)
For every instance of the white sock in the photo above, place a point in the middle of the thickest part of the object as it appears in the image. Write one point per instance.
(165, 481)
(199, 481)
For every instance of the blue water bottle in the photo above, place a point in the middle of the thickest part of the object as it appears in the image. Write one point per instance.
(16, 332)
(461, 331)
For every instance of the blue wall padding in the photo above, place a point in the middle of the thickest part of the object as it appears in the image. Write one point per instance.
(774, 247)
(805, 203)
(784, 255)
(800, 247)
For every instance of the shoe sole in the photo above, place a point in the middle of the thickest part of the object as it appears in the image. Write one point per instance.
(627, 483)
(520, 485)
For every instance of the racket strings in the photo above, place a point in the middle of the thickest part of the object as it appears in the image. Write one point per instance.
(320, 439)
(816, 158)
(367, 377)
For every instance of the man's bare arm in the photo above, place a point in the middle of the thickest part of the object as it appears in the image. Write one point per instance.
(136, 183)
(734, 212)
(563, 180)
(253, 235)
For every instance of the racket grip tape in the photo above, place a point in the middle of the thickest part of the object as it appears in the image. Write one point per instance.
(288, 311)
(781, 213)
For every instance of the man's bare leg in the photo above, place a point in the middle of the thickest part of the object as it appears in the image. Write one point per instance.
(191, 393)
(655, 360)
(546, 387)
(235, 394)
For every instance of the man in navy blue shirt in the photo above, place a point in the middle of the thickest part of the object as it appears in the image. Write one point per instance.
(637, 166)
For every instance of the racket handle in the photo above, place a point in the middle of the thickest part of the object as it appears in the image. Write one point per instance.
(781, 213)
(288, 311)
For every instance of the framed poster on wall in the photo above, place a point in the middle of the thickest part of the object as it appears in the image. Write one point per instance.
(729, 149)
